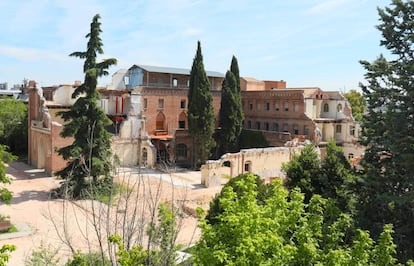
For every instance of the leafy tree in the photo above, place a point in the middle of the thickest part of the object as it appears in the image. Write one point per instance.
(357, 102)
(13, 124)
(264, 192)
(6, 197)
(200, 110)
(5, 157)
(386, 189)
(89, 154)
(285, 231)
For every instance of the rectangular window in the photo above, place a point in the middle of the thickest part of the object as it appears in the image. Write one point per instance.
(285, 128)
(145, 103)
(249, 124)
(286, 106)
(181, 124)
(338, 129)
(250, 106)
(175, 82)
(275, 127)
(352, 130)
(266, 125)
(296, 107)
(258, 125)
(267, 106)
(160, 103)
(259, 107)
(277, 107)
(182, 104)
(305, 130)
(295, 130)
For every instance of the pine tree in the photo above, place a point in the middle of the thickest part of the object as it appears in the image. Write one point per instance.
(90, 153)
(200, 110)
(387, 186)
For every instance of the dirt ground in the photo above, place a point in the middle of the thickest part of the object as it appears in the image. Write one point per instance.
(38, 217)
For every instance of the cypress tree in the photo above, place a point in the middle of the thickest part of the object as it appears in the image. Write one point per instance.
(90, 153)
(200, 110)
(386, 191)
(231, 113)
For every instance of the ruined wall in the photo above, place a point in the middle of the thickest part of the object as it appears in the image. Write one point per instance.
(265, 162)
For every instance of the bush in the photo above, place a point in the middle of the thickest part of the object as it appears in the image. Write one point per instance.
(87, 259)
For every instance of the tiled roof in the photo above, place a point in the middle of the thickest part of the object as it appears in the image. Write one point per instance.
(174, 70)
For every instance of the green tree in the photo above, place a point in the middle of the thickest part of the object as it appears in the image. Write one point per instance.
(13, 125)
(5, 157)
(200, 110)
(90, 153)
(264, 192)
(231, 114)
(285, 231)
(332, 177)
(304, 171)
(386, 189)
(357, 102)
(5, 197)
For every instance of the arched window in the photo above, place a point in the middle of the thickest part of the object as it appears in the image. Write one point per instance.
(160, 121)
(144, 156)
(326, 107)
(226, 164)
(181, 151)
(181, 120)
(339, 107)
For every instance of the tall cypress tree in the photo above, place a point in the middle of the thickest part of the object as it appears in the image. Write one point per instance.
(387, 186)
(200, 110)
(90, 153)
(231, 113)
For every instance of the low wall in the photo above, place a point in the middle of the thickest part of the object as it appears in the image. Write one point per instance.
(265, 162)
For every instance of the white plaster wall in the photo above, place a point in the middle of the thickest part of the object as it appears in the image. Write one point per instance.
(63, 95)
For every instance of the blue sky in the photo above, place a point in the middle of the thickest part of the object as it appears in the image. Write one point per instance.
(305, 42)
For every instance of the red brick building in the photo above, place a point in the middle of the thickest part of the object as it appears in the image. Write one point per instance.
(164, 106)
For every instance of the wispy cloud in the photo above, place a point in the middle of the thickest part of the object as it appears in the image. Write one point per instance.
(326, 6)
(30, 54)
(192, 32)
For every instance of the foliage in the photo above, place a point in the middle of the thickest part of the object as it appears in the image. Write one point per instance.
(357, 102)
(285, 231)
(89, 154)
(5, 157)
(136, 255)
(13, 124)
(87, 259)
(386, 190)
(231, 113)
(161, 250)
(5, 253)
(163, 236)
(252, 139)
(43, 256)
(332, 177)
(200, 110)
(264, 192)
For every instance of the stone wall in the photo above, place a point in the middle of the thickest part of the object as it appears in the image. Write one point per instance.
(265, 162)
